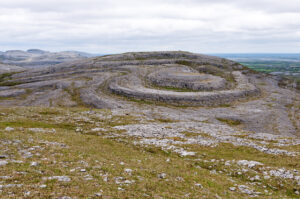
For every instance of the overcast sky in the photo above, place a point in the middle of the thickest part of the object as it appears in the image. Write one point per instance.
(113, 26)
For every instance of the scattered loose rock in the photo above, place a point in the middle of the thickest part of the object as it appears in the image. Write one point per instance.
(9, 129)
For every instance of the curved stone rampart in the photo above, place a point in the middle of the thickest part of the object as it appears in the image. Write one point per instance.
(131, 86)
(186, 78)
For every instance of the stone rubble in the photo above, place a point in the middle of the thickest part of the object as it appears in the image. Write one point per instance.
(249, 164)
(58, 178)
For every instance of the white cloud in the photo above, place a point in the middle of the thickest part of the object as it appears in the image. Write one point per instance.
(117, 26)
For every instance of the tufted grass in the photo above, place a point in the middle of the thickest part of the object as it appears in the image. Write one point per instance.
(100, 155)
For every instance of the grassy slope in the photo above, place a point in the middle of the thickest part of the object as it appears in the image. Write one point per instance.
(101, 156)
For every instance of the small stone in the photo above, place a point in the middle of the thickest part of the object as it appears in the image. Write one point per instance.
(232, 188)
(129, 181)
(122, 163)
(60, 178)
(27, 193)
(77, 130)
(105, 178)
(128, 170)
(98, 129)
(213, 172)
(9, 129)
(257, 177)
(98, 194)
(267, 177)
(199, 185)
(297, 192)
(11, 185)
(179, 179)
(82, 170)
(34, 164)
(88, 177)
(42, 130)
(3, 162)
(119, 180)
(162, 175)
(43, 186)
(250, 164)
(245, 189)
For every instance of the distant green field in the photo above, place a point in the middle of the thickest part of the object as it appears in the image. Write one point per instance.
(273, 66)
(283, 64)
(290, 70)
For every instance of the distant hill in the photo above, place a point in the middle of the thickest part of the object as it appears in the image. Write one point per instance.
(34, 58)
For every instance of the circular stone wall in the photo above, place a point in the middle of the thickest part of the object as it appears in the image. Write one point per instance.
(204, 89)
(186, 78)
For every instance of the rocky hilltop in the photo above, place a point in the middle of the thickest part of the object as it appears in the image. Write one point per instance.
(5, 68)
(219, 117)
(165, 79)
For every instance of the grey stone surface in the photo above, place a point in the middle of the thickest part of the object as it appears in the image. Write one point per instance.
(12, 92)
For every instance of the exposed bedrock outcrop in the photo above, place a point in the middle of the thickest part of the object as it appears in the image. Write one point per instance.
(12, 93)
(202, 87)
(172, 77)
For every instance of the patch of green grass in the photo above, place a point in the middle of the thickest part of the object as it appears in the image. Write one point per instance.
(49, 112)
(225, 105)
(6, 98)
(120, 120)
(168, 88)
(230, 122)
(75, 95)
(185, 62)
(165, 120)
(190, 134)
(140, 101)
(289, 106)
(5, 76)
(36, 124)
(10, 83)
(230, 152)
